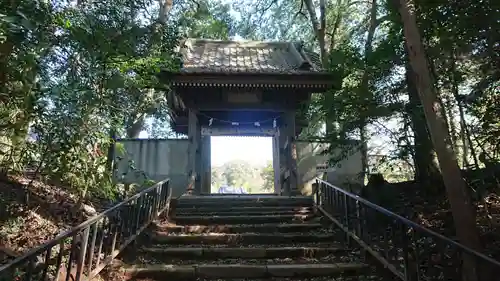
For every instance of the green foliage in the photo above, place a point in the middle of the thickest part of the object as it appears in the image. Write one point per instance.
(486, 109)
(278, 20)
(70, 75)
(208, 20)
(267, 174)
(238, 173)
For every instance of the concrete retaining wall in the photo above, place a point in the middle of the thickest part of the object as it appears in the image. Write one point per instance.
(156, 159)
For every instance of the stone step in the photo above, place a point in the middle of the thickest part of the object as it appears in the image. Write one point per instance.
(182, 212)
(341, 277)
(194, 271)
(240, 228)
(231, 202)
(244, 238)
(234, 194)
(230, 209)
(241, 252)
(210, 220)
(245, 197)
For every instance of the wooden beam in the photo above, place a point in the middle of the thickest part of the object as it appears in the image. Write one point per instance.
(270, 107)
(317, 82)
(235, 131)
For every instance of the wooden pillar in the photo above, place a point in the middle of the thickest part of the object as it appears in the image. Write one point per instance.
(276, 163)
(199, 159)
(291, 154)
(194, 136)
(206, 174)
(284, 190)
(294, 180)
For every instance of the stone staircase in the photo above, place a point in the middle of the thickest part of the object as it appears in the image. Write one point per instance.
(241, 237)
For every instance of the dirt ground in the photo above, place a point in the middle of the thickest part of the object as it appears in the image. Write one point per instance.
(32, 213)
(432, 211)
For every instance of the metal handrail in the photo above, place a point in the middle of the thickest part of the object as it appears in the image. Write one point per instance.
(358, 217)
(117, 227)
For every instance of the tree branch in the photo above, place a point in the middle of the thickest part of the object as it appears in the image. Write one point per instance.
(300, 12)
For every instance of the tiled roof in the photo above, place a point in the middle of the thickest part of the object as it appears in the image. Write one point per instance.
(209, 56)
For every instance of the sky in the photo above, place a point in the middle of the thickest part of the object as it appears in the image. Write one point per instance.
(255, 150)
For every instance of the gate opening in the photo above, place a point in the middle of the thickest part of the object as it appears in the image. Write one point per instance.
(241, 165)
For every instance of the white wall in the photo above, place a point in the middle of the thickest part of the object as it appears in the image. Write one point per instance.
(344, 174)
(167, 158)
(157, 159)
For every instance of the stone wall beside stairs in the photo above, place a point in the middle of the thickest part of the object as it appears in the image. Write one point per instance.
(344, 174)
(156, 159)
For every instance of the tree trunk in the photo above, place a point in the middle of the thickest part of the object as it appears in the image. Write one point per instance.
(426, 167)
(165, 7)
(319, 29)
(439, 96)
(335, 28)
(319, 26)
(111, 151)
(471, 145)
(464, 133)
(452, 126)
(365, 89)
(463, 136)
(322, 31)
(135, 126)
(364, 153)
(460, 201)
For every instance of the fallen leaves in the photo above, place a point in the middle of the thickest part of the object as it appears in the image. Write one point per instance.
(32, 213)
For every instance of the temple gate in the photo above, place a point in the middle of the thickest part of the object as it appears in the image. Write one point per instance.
(243, 88)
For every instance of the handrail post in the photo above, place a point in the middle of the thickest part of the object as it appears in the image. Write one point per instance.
(359, 219)
(411, 268)
(347, 221)
(470, 268)
(315, 187)
(83, 252)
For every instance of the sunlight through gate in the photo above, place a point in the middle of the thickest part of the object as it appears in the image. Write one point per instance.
(241, 165)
